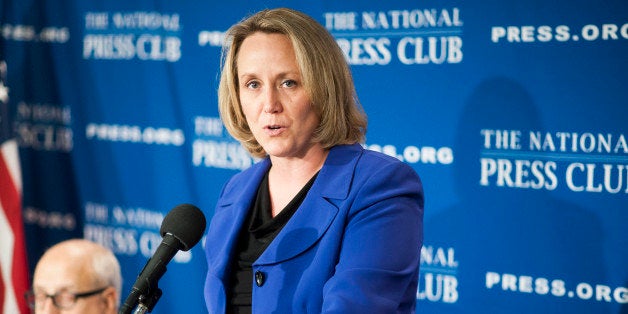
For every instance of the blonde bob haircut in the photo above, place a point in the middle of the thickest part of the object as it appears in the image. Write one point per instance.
(324, 71)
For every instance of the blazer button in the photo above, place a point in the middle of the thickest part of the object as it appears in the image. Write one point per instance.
(259, 278)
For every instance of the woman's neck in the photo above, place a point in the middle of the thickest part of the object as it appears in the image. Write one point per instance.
(288, 175)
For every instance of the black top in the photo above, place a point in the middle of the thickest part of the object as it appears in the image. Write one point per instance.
(258, 231)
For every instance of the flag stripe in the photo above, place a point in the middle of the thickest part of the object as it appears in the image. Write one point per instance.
(13, 254)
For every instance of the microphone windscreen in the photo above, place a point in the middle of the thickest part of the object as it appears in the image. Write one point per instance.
(186, 223)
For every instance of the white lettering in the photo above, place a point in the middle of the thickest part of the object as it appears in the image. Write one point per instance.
(128, 46)
(436, 50)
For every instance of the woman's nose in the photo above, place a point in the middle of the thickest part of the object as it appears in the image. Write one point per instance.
(271, 101)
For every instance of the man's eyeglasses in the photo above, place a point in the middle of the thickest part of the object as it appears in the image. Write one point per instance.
(62, 300)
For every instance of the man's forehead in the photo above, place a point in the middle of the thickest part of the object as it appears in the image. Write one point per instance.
(51, 288)
(53, 273)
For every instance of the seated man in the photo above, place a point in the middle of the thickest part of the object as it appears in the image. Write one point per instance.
(76, 276)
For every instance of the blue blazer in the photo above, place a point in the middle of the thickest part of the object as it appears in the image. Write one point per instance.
(353, 245)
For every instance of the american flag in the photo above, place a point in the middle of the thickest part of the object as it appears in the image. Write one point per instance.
(13, 267)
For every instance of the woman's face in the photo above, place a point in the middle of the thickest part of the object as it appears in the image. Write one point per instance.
(274, 101)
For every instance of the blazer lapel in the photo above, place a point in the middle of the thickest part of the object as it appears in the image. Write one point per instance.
(318, 210)
(230, 214)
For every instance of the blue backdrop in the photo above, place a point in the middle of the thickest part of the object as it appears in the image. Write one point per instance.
(514, 114)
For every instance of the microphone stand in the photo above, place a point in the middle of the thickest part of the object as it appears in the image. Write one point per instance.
(147, 301)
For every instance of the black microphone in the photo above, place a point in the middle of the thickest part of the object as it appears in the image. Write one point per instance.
(181, 229)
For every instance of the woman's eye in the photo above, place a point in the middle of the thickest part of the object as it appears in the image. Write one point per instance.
(252, 84)
(289, 83)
